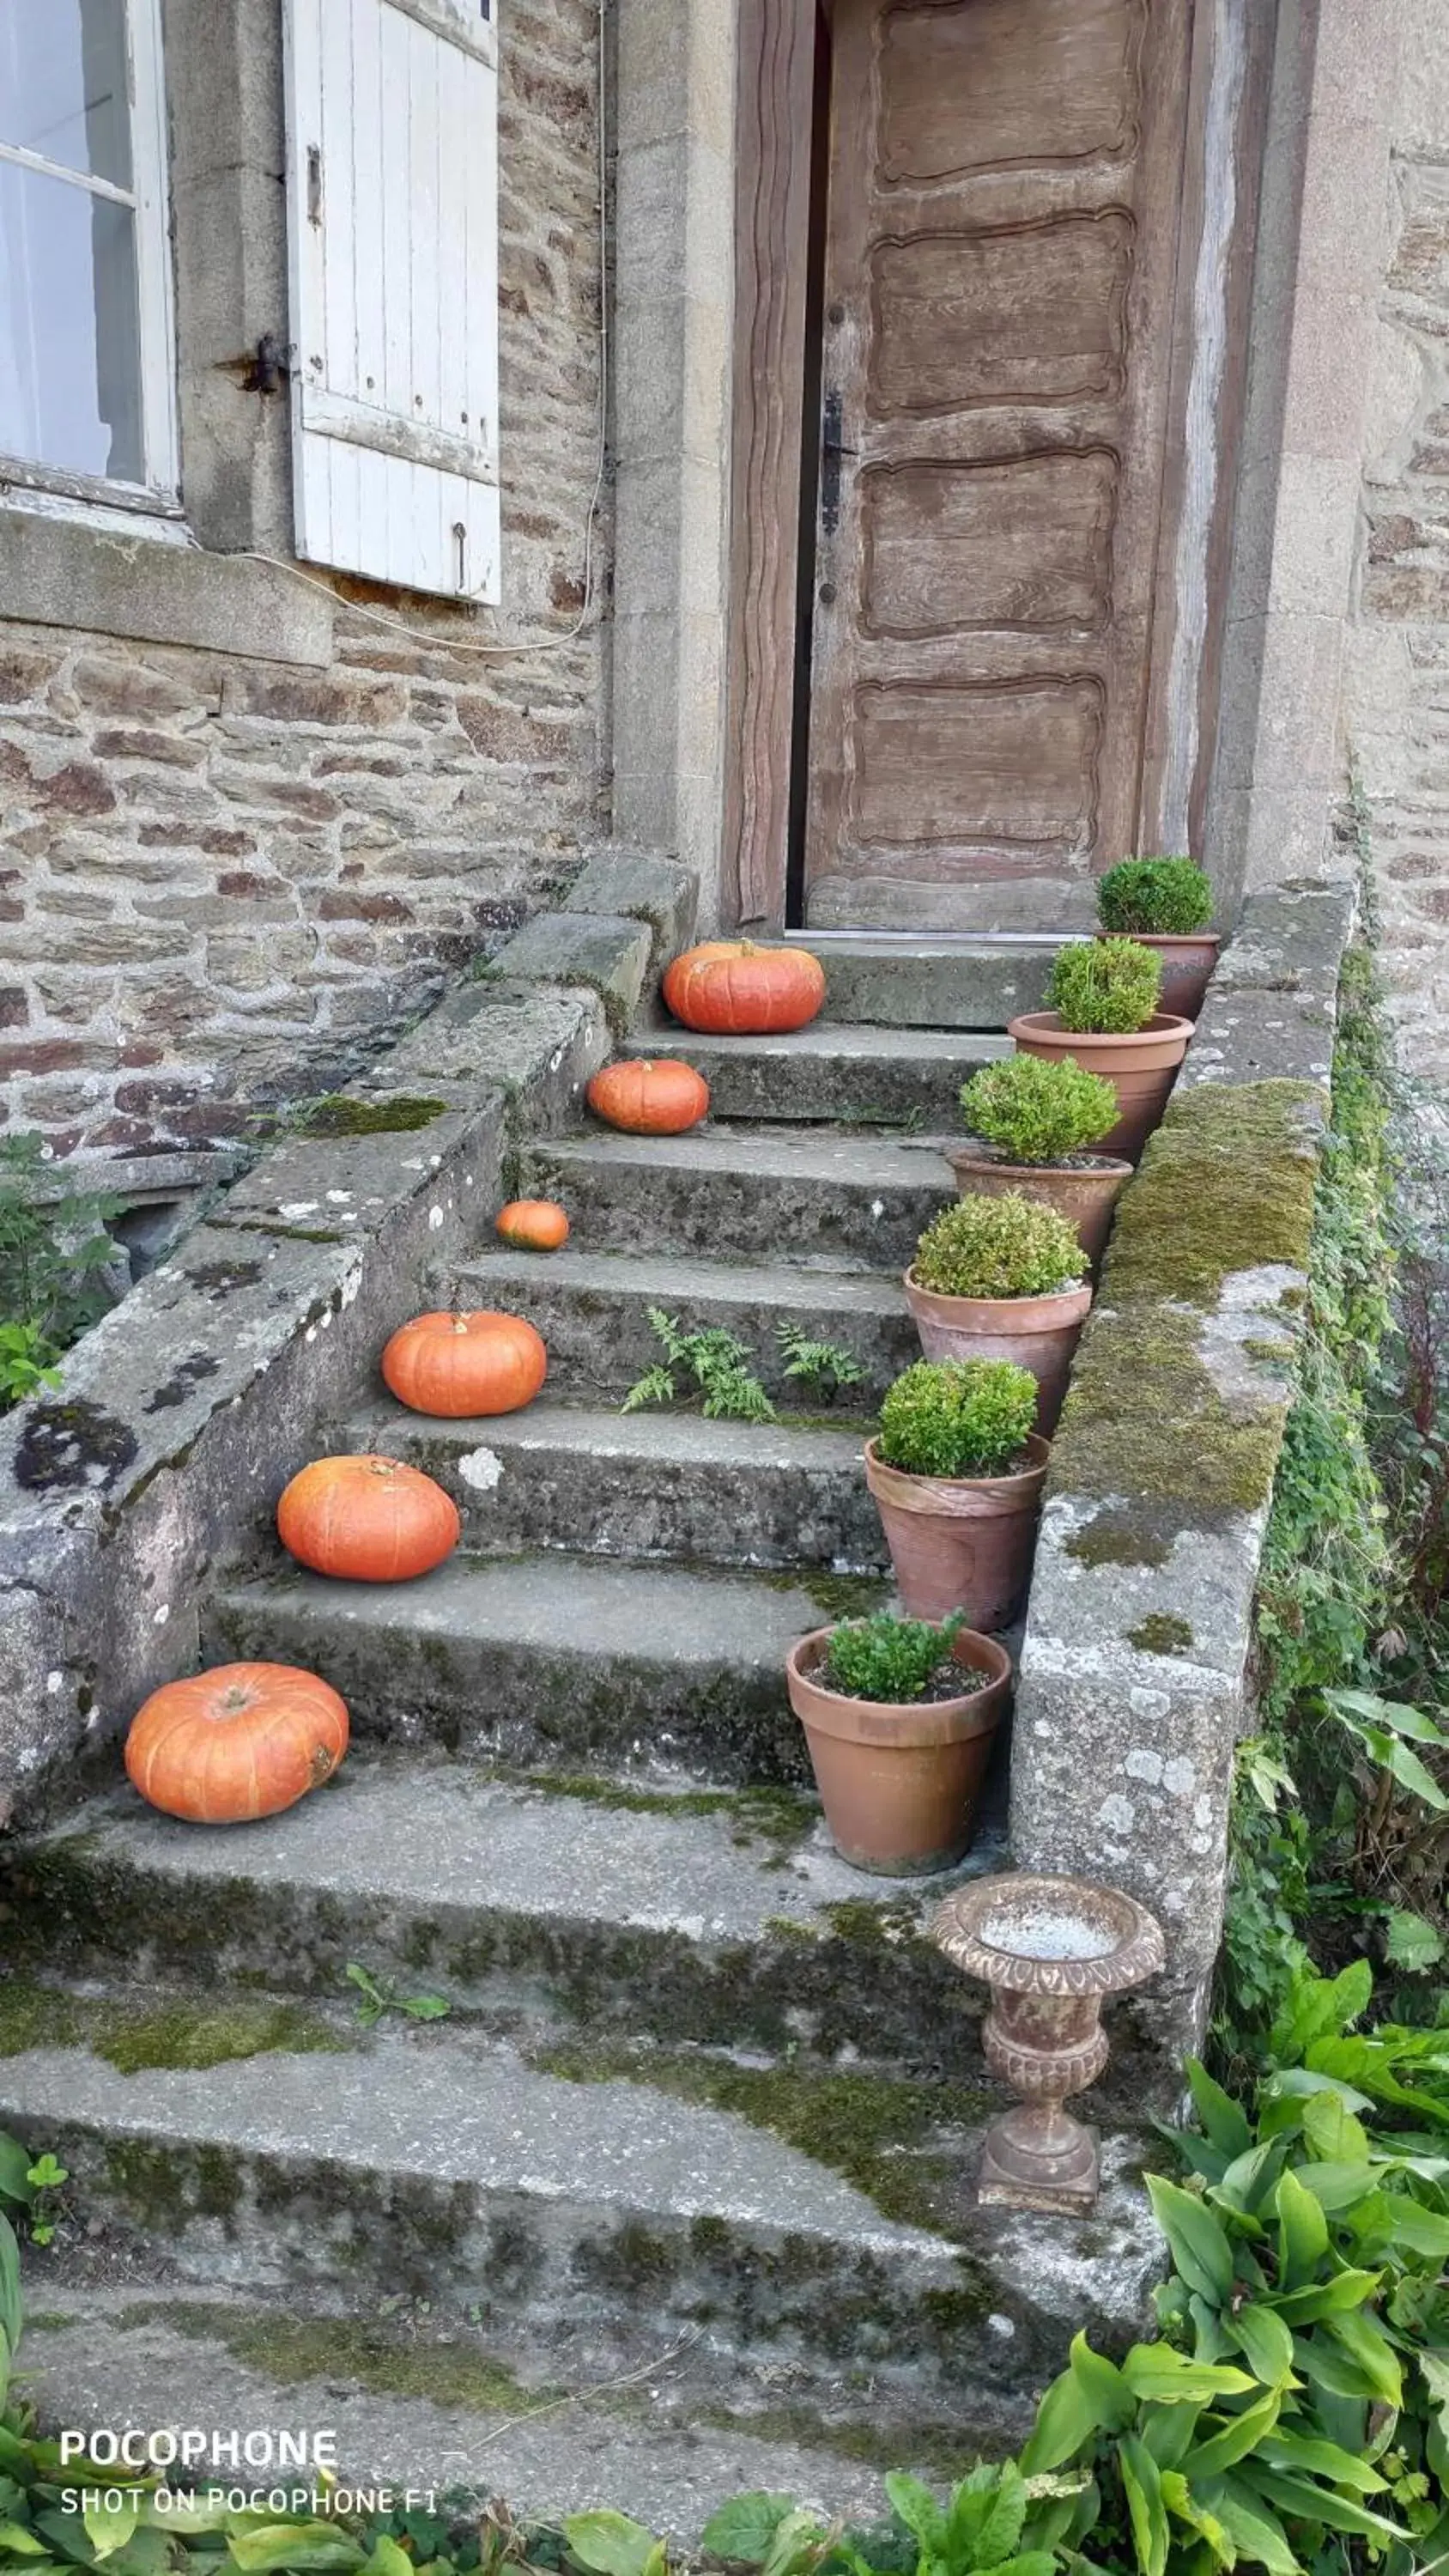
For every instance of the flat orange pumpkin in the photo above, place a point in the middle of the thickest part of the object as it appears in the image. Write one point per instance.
(243, 1741)
(649, 1099)
(367, 1520)
(533, 1225)
(454, 1366)
(732, 988)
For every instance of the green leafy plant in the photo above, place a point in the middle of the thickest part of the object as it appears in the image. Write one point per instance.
(888, 1659)
(958, 1418)
(376, 1996)
(1105, 987)
(708, 1368)
(999, 1247)
(27, 1362)
(1033, 1111)
(823, 1368)
(53, 1250)
(1166, 898)
(31, 2187)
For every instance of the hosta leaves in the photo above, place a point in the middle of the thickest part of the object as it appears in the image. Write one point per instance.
(1223, 2120)
(311, 2548)
(1065, 2424)
(1110, 2392)
(1254, 2528)
(1373, 2353)
(1304, 2452)
(1232, 2442)
(1142, 2486)
(612, 2545)
(1302, 2232)
(1336, 2186)
(1199, 2244)
(744, 2528)
(1330, 2298)
(1309, 2503)
(1266, 2341)
(1153, 2371)
(1185, 2507)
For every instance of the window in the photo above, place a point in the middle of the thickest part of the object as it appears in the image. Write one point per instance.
(86, 374)
(393, 203)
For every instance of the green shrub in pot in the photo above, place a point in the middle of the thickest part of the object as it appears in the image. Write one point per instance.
(998, 1247)
(958, 1418)
(889, 1660)
(1105, 987)
(1161, 898)
(1034, 1112)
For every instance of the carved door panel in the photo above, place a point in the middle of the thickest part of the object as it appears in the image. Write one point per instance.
(1005, 178)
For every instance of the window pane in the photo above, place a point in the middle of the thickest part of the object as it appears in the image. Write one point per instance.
(63, 90)
(70, 354)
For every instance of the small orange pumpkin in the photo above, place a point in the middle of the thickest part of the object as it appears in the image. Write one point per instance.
(367, 1520)
(731, 988)
(243, 1741)
(533, 1225)
(649, 1099)
(458, 1365)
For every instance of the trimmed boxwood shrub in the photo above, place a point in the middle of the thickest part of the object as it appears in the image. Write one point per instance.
(958, 1418)
(1105, 987)
(1036, 1112)
(999, 1247)
(1168, 898)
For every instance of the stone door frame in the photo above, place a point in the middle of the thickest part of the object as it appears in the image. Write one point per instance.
(711, 219)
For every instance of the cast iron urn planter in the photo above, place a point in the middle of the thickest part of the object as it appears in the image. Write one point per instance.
(1049, 1949)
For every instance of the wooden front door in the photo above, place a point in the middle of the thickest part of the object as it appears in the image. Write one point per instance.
(1005, 180)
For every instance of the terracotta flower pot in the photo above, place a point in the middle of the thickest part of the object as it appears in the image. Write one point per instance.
(960, 1542)
(1141, 1065)
(1187, 965)
(1038, 1333)
(899, 1784)
(1085, 1192)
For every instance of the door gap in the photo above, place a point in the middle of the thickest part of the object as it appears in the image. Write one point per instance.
(809, 476)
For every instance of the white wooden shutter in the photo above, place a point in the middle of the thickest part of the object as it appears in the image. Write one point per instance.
(392, 147)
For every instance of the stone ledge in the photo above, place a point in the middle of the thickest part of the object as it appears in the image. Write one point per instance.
(60, 572)
(1133, 1686)
(642, 885)
(602, 950)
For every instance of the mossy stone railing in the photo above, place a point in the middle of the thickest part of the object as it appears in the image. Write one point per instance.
(1134, 1685)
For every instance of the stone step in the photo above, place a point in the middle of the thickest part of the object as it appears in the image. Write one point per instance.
(934, 983)
(634, 2199)
(654, 1484)
(565, 1662)
(593, 1311)
(415, 2406)
(851, 1074)
(702, 1916)
(798, 1194)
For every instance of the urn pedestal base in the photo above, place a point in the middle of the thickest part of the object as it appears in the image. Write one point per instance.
(1055, 2168)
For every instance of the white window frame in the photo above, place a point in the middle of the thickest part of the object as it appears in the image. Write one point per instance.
(149, 197)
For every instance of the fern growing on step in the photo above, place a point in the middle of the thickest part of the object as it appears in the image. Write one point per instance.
(823, 1367)
(708, 1368)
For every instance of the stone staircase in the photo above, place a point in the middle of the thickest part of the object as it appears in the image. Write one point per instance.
(700, 2119)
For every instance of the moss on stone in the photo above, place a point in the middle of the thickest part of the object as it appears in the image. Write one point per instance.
(383, 2358)
(1227, 1185)
(902, 2143)
(163, 2186)
(338, 1114)
(1162, 1635)
(888, 1926)
(178, 2033)
(1117, 1538)
(765, 1814)
(941, 2450)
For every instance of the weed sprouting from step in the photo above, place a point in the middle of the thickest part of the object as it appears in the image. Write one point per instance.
(377, 1997)
(824, 1368)
(31, 2187)
(709, 1368)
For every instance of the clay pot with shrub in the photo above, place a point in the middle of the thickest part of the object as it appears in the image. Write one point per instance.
(900, 1717)
(1104, 1014)
(1166, 905)
(1002, 1279)
(1033, 1125)
(957, 1471)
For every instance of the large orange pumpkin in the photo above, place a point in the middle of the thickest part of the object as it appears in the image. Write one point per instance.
(649, 1099)
(533, 1225)
(369, 1520)
(457, 1365)
(243, 1741)
(731, 988)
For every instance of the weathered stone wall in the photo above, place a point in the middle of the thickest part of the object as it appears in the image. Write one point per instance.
(221, 878)
(1397, 696)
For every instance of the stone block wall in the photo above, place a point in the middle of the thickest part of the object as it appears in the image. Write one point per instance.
(1397, 689)
(223, 877)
